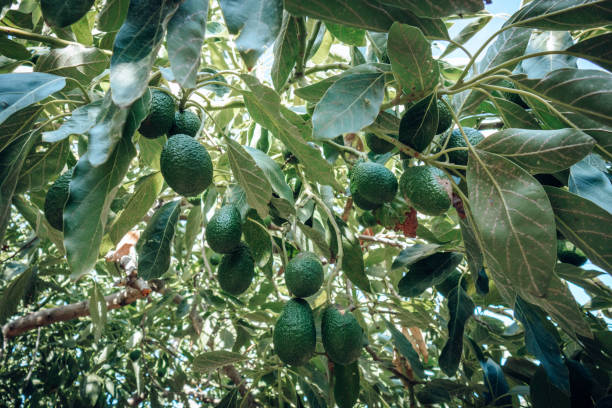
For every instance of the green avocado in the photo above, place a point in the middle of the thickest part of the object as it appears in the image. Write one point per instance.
(185, 122)
(224, 230)
(236, 270)
(378, 145)
(457, 140)
(161, 115)
(373, 182)
(445, 118)
(346, 384)
(425, 187)
(304, 275)
(186, 165)
(55, 200)
(295, 335)
(512, 97)
(418, 125)
(363, 203)
(342, 336)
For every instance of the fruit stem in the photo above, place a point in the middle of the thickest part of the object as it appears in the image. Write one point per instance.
(345, 148)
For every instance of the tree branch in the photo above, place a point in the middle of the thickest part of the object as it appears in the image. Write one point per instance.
(45, 39)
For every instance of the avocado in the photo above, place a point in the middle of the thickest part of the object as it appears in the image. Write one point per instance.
(224, 230)
(346, 384)
(362, 203)
(378, 145)
(419, 125)
(373, 182)
(161, 115)
(457, 140)
(304, 275)
(342, 336)
(236, 270)
(570, 254)
(445, 118)
(186, 165)
(426, 187)
(295, 335)
(185, 122)
(55, 200)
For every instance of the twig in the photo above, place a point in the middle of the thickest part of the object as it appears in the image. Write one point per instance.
(382, 240)
(58, 42)
(400, 375)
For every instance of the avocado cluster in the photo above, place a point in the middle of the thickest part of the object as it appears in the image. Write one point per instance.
(223, 234)
(163, 118)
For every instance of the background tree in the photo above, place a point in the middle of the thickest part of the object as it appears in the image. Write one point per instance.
(321, 138)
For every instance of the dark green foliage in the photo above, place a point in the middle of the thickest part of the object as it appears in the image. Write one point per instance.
(62, 13)
(457, 140)
(346, 384)
(419, 124)
(374, 182)
(304, 274)
(378, 145)
(186, 165)
(342, 336)
(56, 199)
(428, 272)
(294, 333)
(236, 270)
(224, 230)
(185, 122)
(513, 97)
(363, 203)
(427, 188)
(161, 115)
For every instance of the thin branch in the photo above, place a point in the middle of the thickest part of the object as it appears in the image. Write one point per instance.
(398, 374)
(382, 240)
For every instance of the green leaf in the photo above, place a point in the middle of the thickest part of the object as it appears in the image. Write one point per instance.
(473, 253)
(419, 124)
(112, 15)
(184, 41)
(585, 279)
(346, 384)
(136, 46)
(13, 293)
(542, 343)
(591, 183)
(92, 189)
(18, 125)
(80, 63)
(515, 221)
(38, 222)
(346, 34)
(412, 254)
(350, 104)
(11, 163)
(585, 224)
(405, 348)
(496, 384)
(537, 67)
(62, 13)
(540, 151)
(584, 91)
(461, 307)
(154, 245)
(513, 115)
(80, 121)
(466, 33)
(439, 8)
(314, 92)
(263, 105)
(212, 360)
(563, 15)
(193, 228)
(250, 177)
(352, 263)
(97, 311)
(273, 173)
(318, 239)
(257, 21)
(544, 394)
(412, 62)
(146, 192)
(367, 14)
(428, 272)
(20, 90)
(13, 49)
(286, 51)
(43, 163)
(257, 238)
(596, 49)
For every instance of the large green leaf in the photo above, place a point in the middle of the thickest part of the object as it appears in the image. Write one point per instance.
(44, 162)
(460, 307)
(184, 41)
(352, 263)
(591, 182)
(349, 105)
(586, 279)
(563, 14)
(97, 311)
(155, 243)
(250, 177)
(473, 253)
(412, 62)
(540, 151)
(286, 51)
(80, 121)
(428, 272)
(273, 173)
(466, 33)
(416, 252)
(257, 21)
(212, 360)
(348, 35)
(18, 124)
(92, 189)
(440, 8)
(257, 238)
(515, 221)
(13, 293)
(112, 15)
(62, 13)
(584, 91)
(192, 229)
(368, 14)
(596, 49)
(136, 46)
(585, 224)
(146, 192)
(80, 63)
(537, 67)
(513, 115)
(20, 90)
(38, 222)
(544, 393)
(263, 105)
(405, 348)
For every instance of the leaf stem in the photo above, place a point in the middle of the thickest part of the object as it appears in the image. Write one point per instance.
(45, 39)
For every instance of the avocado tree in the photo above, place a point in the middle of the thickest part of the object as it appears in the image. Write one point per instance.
(305, 203)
